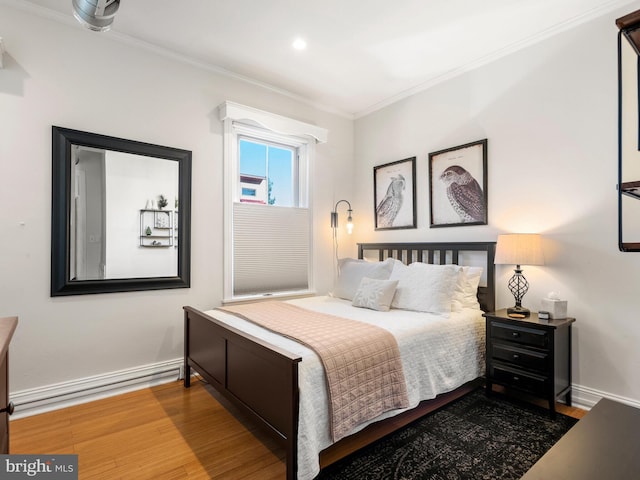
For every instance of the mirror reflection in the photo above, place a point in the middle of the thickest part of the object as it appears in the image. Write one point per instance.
(121, 211)
(122, 204)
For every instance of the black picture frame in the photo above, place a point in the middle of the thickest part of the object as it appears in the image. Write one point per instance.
(458, 186)
(394, 194)
(63, 140)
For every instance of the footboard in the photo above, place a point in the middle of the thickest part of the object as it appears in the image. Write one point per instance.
(260, 379)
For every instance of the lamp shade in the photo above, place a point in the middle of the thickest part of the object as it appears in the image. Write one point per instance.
(519, 249)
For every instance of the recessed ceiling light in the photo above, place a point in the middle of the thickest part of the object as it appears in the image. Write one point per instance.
(299, 44)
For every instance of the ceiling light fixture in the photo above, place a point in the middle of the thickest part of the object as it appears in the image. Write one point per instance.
(96, 15)
(299, 44)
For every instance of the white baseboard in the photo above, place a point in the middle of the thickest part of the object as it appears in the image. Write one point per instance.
(84, 390)
(61, 395)
(586, 398)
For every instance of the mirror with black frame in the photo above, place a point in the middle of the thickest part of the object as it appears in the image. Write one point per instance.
(121, 212)
(629, 132)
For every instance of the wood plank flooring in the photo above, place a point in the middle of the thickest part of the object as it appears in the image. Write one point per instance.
(165, 432)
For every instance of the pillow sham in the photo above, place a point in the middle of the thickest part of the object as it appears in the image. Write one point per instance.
(375, 294)
(352, 271)
(466, 294)
(424, 287)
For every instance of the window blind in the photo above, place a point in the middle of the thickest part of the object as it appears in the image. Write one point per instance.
(271, 249)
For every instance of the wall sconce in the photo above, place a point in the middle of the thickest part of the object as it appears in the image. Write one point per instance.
(96, 15)
(334, 217)
(519, 249)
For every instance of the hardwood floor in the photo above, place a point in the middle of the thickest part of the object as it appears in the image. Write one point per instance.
(165, 432)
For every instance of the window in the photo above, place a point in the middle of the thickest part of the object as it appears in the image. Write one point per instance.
(267, 216)
(248, 192)
(272, 167)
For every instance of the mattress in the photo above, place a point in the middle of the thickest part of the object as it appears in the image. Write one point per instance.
(439, 353)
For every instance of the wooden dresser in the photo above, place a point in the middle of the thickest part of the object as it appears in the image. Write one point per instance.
(7, 327)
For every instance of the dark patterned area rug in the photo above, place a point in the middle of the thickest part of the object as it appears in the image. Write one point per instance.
(475, 437)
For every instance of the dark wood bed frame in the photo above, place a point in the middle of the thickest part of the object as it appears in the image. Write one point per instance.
(262, 380)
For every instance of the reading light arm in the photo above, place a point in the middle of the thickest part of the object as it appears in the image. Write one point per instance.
(334, 216)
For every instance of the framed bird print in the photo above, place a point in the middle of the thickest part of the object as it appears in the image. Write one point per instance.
(394, 191)
(458, 185)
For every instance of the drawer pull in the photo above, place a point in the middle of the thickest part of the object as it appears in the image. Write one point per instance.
(9, 409)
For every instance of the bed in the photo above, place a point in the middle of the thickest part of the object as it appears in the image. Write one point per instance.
(266, 378)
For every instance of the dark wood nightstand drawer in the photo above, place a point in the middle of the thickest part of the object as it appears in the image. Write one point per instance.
(517, 378)
(526, 336)
(520, 356)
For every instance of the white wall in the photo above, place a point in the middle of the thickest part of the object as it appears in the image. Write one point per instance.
(56, 73)
(549, 113)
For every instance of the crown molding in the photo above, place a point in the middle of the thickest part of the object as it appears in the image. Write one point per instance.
(596, 12)
(592, 14)
(113, 34)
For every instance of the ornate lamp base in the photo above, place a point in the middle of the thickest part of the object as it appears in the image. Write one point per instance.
(519, 310)
(518, 286)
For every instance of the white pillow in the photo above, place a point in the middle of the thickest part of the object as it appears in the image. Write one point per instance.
(375, 294)
(466, 294)
(352, 271)
(424, 287)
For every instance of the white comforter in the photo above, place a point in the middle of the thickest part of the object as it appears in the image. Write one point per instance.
(438, 355)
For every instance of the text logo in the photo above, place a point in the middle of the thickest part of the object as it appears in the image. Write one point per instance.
(50, 467)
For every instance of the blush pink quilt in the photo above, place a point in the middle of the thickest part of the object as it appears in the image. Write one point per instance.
(361, 361)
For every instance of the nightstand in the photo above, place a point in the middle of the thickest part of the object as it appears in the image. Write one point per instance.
(530, 355)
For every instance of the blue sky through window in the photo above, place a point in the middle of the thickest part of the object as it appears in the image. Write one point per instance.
(264, 160)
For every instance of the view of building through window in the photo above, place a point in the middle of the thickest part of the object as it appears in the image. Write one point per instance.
(267, 173)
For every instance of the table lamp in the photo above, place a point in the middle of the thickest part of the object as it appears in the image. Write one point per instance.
(519, 249)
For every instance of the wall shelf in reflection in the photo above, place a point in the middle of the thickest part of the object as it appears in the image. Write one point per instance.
(156, 228)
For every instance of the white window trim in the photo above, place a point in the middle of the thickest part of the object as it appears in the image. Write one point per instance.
(271, 121)
(234, 116)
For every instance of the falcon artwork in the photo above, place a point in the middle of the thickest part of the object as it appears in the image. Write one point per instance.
(464, 193)
(389, 206)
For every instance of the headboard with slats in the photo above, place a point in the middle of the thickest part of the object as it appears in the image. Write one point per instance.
(443, 254)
